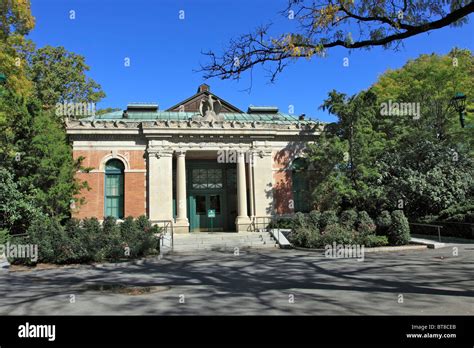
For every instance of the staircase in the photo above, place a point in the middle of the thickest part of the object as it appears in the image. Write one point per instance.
(222, 241)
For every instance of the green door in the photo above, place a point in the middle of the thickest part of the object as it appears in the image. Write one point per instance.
(200, 204)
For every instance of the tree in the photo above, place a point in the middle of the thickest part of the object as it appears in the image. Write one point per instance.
(423, 178)
(430, 81)
(15, 18)
(15, 22)
(345, 154)
(325, 24)
(60, 76)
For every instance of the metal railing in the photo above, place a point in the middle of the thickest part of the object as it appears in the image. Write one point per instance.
(438, 227)
(265, 223)
(167, 232)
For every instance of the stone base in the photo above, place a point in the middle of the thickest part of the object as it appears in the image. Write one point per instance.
(243, 224)
(181, 226)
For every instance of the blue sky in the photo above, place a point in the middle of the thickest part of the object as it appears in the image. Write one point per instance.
(165, 51)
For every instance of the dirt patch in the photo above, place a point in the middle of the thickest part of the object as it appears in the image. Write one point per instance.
(132, 290)
(41, 266)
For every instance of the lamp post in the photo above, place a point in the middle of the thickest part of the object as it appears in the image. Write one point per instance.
(459, 104)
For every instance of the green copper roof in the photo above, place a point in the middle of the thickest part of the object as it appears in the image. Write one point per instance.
(184, 116)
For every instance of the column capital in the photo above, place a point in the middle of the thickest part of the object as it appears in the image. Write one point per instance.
(263, 152)
(158, 153)
(180, 152)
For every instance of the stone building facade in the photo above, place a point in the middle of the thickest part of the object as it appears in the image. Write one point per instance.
(201, 165)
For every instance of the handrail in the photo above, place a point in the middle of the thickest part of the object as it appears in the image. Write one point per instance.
(429, 225)
(167, 225)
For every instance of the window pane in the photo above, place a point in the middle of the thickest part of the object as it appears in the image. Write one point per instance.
(114, 195)
(215, 203)
(201, 205)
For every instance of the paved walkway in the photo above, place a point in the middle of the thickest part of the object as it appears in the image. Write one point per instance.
(430, 281)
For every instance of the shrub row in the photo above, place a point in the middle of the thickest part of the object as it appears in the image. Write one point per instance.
(89, 241)
(317, 229)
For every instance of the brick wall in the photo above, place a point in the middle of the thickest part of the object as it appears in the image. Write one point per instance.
(282, 188)
(134, 180)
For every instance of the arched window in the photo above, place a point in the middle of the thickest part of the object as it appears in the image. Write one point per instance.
(114, 188)
(301, 187)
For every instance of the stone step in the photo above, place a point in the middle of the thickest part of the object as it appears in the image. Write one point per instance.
(191, 237)
(222, 247)
(240, 244)
(223, 241)
(204, 241)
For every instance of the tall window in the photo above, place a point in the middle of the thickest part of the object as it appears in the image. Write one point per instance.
(301, 187)
(114, 188)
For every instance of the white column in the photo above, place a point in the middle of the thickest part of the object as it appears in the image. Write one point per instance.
(263, 182)
(242, 221)
(160, 184)
(250, 178)
(182, 223)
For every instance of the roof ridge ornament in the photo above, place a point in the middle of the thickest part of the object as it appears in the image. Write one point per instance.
(209, 109)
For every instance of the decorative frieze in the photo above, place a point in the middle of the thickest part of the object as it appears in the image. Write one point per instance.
(190, 123)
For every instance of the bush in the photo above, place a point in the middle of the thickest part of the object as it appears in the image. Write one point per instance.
(88, 241)
(348, 218)
(300, 220)
(456, 218)
(4, 236)
(365, 224)
(328, 217)
(383, 222)
(305, 237)
(399, 230)
(54, 246)
(314, 219)
(336, 233)
(282, 222)
(458, 209)
(372, 240)
(469, 218)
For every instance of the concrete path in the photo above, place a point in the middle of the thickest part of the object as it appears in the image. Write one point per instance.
(415, 282)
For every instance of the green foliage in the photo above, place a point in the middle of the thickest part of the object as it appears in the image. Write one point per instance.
(88, 241)
(371, 162)
(372, 240)
(328, 217)
(383, 222)
(4, 236)
(300, 220)
(365, 224)
(348, 218)
(16, 208)
(284, 223)
(425, 177)
(338, 234)
(458, 209)
(305, 237)
(59, 76)
(399, 230)
(314, 219)
(350, 228)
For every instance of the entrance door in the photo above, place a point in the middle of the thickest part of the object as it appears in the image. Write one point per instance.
(199, 205)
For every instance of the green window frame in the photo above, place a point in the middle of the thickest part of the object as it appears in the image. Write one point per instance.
(114, 189)
(206, 178)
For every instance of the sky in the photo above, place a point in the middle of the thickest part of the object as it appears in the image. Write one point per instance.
(165, 52)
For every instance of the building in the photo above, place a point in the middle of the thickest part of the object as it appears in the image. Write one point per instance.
(202, 157)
